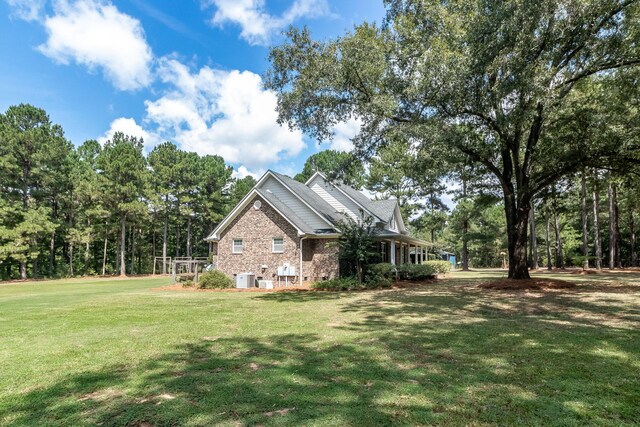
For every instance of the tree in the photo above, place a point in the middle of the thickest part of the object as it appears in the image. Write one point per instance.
(399, 171)
(502, 71)
(34, 159)
(356, 242)
(596, 222)
(335, 165)
(163, 160)
(238, 189)
(584, 218)
(122, 168)
(87, 199)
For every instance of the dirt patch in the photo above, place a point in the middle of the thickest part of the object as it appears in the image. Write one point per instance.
(526, 285)
(579, 270)
(284, 411)
(100, 395)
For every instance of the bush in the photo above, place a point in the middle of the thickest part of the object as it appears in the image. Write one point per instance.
(383, 269)
(342, 284)
(215, 279)
(188, 284)
(416, 271)
(440, 267)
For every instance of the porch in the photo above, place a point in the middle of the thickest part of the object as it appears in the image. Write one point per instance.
(398, 250)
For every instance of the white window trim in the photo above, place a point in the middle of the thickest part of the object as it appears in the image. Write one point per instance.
(233, 246)
(273, 245)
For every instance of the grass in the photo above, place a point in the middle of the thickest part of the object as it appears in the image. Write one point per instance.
(116, 352)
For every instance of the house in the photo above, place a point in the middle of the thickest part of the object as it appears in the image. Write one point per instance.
(284, 230)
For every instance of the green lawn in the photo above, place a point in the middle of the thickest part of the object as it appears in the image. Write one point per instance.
(116, 352)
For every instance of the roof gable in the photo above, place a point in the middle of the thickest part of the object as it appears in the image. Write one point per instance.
(283, 210)
(346, 195)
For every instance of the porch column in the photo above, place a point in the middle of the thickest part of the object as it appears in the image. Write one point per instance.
(392, 252)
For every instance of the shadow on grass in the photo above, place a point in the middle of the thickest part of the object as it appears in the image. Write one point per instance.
(436, 355)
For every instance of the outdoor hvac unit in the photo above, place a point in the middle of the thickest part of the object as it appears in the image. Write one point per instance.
(265, 284)
(245, 280)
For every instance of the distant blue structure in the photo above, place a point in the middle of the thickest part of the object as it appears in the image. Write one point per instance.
(448, 256)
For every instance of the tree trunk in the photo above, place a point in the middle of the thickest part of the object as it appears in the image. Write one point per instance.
(133, 249)
(71, 260)
(34, 268)
(517, 227)
(548, 241)
(104, 255)
(177, 240)
(618, 240)
(153, 238)
(556, 222)
(596, 225)
(52, 253)
(87, 251)
(465, 245)
(123, 236)
(632, 231)
(189, 236)
(533, 237)
(164, 243)
(585, 228)
(23, 270)
(613, 237)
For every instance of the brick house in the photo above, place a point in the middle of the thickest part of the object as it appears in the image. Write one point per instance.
(284, 230)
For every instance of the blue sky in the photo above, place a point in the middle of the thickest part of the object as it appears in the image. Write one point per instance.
(187, 71)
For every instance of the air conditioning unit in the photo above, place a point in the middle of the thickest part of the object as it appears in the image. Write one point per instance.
(245, 280)
(265, 284)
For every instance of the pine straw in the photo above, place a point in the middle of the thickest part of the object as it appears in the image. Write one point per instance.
(536, 284)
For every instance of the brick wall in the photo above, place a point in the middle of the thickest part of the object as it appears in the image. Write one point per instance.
(320, 259)
(257, 228)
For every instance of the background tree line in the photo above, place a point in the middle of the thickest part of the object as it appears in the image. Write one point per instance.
(108, 209)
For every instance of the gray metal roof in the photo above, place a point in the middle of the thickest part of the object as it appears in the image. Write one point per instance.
(285, 210)
(384, 208)
(309, 196)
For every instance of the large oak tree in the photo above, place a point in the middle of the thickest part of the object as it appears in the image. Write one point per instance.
(484, 77)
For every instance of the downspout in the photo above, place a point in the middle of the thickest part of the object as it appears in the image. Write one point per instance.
(300, 270)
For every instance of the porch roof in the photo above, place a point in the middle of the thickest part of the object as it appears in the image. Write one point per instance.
(388, 235)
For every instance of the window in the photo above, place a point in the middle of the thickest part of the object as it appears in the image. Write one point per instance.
(278, 245)
(238, 246)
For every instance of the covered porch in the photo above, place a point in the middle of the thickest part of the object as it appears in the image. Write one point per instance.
(400, 249)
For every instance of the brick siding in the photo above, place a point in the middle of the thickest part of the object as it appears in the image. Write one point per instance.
(257, 228)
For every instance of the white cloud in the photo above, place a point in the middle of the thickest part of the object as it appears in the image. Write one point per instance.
(128, 126)
(29, 10)
(221, 112)
(343, 133)
(97, 35)
(257, 25)
(243, 172)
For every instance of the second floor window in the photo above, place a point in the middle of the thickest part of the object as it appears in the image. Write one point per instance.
(278, 245)
(238, 246)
